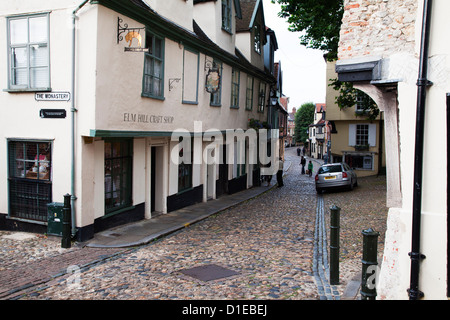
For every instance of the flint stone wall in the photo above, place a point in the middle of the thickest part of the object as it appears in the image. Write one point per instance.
(377, 28)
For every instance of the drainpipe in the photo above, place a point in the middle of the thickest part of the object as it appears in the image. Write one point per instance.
(73, 110)
(422, 83)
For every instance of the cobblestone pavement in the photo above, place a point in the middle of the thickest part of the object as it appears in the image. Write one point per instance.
(268, 242)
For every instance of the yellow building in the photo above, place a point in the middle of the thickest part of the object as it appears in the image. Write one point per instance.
(354, 139)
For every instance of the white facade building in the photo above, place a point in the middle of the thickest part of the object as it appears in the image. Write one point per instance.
(94, 90)
(397, 52)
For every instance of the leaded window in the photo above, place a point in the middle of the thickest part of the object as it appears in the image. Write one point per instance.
(28, 52)
(153, 81)
(257, 38)
(362, 134)
(262, 96)
(226, 15)
(249, 94)
(235, 88)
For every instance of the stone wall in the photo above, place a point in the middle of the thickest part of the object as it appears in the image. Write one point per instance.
(377, 28)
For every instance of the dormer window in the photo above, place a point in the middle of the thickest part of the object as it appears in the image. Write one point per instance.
(226, 15)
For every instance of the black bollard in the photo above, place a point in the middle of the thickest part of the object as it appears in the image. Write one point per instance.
(334, 244)
(66, 215)
(369, 264)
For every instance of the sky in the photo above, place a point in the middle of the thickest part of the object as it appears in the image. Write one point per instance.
(304, 78)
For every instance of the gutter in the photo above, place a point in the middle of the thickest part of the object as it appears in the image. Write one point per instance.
(73, 111)
(422, 83)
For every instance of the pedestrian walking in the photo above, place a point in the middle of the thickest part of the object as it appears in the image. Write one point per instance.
(310, 168)
(280, 174)
(298, 151)
(303, 164)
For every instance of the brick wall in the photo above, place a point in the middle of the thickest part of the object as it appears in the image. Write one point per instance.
(377, 27)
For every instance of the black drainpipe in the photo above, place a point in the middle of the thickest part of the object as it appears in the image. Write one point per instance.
(422, 83)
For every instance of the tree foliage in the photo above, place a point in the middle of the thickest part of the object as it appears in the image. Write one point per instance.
(319, 20)
(349, 96)
(303, 118)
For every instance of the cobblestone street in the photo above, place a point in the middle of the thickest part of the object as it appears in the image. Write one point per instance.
(265, 245)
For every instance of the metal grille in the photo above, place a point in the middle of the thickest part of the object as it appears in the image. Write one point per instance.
(30, 187)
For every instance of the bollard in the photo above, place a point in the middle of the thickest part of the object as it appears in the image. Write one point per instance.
(369, 263)
(66, 215)
(334, 244)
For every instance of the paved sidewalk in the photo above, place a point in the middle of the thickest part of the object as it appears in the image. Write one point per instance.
(145, 231)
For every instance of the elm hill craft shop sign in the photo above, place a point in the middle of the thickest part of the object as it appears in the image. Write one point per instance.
(147, 118)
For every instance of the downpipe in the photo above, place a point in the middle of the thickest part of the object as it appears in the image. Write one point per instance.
(422, 83)
(73, 111)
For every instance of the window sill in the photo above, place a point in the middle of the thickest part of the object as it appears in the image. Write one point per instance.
(143, 95)
(190, 102)
(27, 90)
(234, 107)
(227, 31)
(113, 213)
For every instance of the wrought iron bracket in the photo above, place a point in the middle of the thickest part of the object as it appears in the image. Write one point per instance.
(171, 81)
(121, 29)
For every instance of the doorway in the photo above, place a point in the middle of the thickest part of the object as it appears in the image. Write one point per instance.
(156, 181)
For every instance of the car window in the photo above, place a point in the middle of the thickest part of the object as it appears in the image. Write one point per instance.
(330, 169)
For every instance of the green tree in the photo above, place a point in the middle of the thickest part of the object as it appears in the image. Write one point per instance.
(319, 21)
(303, 118)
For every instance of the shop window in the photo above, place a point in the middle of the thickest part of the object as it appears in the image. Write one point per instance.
(30, 187)
(364, 162)
(118, 172)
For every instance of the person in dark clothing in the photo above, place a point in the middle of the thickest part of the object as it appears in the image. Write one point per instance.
(280, 174)
(303, 164)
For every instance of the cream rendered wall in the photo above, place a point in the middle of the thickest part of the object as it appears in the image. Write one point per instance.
(20, 111)
(208, 16)
(119, 87)
(244, 44)
(174, 10)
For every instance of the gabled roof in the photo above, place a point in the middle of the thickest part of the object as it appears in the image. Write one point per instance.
(321, 107)
(249, 9)
(237, 6)
(140, 11)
